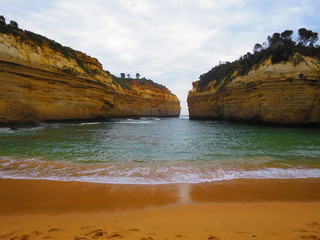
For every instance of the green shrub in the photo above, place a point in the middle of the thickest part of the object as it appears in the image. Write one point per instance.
(125, 83)
(40, 40)
(280, 48)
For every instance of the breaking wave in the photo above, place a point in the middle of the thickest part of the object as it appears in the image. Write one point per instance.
(137, 174)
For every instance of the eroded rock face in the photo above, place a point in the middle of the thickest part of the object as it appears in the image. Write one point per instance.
(286, 93)
(42, 80)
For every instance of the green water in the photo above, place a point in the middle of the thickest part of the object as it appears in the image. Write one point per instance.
(151, 150)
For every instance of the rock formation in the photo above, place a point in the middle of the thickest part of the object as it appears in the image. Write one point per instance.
(278, 84)
(285, 92)
(42, 80)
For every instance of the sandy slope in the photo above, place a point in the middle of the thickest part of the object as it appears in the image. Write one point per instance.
(258, 209)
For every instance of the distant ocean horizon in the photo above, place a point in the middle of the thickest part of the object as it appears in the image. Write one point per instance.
(158, 151)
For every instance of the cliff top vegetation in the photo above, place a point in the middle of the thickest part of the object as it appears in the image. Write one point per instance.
(127, 83)
(280, 47)
(39, 40)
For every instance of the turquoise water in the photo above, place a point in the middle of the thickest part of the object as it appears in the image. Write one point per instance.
(154, 151)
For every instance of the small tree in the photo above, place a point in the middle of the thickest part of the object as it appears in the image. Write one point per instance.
(128, 75)
(13, 24)
(314, 38)
(303, 36)
(257, 48)
(123, 75)
(137, 75)
(264, 45)
(275, 40)
(286, 35)
(2, 19)
(307, 37)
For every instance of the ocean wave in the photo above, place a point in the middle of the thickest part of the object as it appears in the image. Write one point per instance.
(136, 122)
(6, 130)
(142, 120)
(140, 174)
(89, 123)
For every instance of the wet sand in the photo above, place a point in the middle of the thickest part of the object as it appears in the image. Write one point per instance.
(237, 209)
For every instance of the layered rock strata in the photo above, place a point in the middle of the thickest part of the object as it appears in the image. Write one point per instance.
(42, 80)
(282, 93)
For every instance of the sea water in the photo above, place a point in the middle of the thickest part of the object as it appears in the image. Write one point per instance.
(158, 151)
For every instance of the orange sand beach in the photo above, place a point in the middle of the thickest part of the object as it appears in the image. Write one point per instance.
(235, 209)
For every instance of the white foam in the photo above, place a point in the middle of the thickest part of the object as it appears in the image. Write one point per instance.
(6, 130)
(184, 117)
(90, 123)
(136, 122)
(134, 174)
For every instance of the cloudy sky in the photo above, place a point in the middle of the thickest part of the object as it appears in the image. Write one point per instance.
(171, 42)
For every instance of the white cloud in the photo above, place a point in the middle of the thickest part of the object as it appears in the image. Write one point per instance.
(171, 42)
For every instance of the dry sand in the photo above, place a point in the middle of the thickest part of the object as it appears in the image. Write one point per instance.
(238, 209)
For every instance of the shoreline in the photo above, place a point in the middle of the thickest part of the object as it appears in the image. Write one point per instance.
(233, 209)
(50, 196)
(16, 125)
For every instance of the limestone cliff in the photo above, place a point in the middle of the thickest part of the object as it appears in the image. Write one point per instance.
(43, 80)
(286, 92)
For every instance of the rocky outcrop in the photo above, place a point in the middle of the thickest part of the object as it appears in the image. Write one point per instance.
(285, 92)
(43, 80)
(144, 96)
